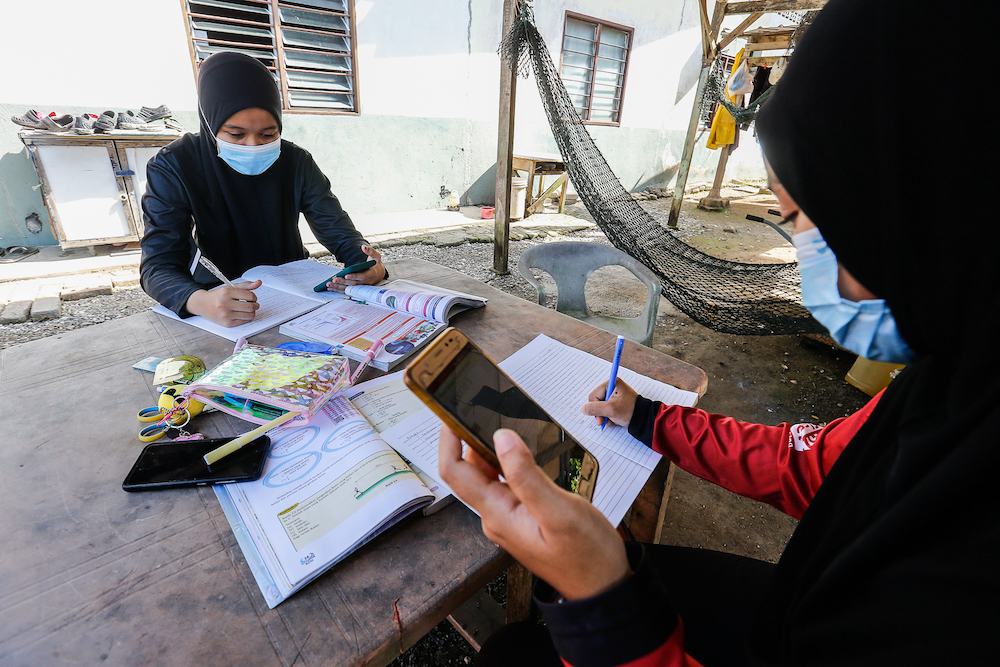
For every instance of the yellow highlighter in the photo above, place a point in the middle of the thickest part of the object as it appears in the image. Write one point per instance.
(236, 443)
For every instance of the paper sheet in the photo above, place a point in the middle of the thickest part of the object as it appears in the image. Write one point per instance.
(559, 378)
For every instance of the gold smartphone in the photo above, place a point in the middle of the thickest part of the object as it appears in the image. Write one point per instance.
(475, 398)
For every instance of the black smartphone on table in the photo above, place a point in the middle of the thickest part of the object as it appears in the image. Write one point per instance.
(182, 463)
(470, 394)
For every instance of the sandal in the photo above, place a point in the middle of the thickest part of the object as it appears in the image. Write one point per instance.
(62, 123)
(149, 114)
(106, 122)
(30, 119)
(16, 253)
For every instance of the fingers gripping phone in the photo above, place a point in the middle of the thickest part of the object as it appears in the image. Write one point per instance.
(475, 398)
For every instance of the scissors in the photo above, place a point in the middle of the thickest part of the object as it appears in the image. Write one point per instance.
(172, 412)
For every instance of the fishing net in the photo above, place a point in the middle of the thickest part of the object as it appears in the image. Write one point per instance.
(730, 297)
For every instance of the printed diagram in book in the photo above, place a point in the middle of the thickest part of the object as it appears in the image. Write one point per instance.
(329, 507)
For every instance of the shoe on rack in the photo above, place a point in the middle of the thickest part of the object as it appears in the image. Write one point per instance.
(130, 121)
(148, 114)
(53, 123)
(83, 124)
(172, 124)
(126, 121)
(106, 122)
(30, 119)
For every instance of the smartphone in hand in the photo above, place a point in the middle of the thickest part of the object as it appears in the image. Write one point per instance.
(470, 394)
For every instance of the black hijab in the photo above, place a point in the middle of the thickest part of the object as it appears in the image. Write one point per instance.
(253, 217)
(897, 560)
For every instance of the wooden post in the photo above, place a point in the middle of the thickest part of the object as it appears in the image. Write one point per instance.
(688, 153)
(709, 49)
(714, 201)
(505, 151)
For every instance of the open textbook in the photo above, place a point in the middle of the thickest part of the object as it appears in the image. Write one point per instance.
(286, 292)
(406, 315)
(557, 377)
(332, 485)
(328, 487)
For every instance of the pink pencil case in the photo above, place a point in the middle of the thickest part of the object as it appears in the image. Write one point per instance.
(260, 383)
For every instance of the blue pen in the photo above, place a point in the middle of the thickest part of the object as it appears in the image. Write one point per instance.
(614, 373)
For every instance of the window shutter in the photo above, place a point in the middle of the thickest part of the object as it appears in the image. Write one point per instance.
(307, 44)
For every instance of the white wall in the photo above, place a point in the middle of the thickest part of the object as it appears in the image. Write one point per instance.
(107, 54)
(428, 83)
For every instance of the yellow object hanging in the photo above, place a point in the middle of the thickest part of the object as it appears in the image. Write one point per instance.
(723, 130)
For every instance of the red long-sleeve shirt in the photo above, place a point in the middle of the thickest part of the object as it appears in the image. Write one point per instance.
(633, 625)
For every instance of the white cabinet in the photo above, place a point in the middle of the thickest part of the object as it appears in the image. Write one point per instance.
(92, 185)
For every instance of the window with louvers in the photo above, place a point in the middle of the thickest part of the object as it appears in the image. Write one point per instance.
(594, 66)
(307, 44)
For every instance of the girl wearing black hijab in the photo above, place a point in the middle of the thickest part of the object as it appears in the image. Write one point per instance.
(896, 559)
(233, 192)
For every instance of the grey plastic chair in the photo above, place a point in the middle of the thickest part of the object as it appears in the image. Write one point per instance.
(570, 264)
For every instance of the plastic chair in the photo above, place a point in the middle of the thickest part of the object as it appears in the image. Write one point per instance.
(570, 264)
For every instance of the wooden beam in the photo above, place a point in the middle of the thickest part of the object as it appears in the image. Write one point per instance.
(771, 6)
(762, 61)
(688, 152)
(729, 37)
(707, 43)
(478, 618)
(753, 47)
(536, 205)
(718, 14)
(505, 152)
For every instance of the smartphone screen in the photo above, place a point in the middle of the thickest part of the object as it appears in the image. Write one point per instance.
(483, 399)
(174, 464)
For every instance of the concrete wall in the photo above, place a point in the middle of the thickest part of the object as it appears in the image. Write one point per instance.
(428, 84)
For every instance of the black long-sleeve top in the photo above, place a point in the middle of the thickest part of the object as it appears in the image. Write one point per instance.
(236, 221)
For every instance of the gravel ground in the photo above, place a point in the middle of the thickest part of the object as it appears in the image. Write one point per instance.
(474, 259)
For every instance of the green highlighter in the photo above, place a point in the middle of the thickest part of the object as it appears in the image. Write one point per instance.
(353, 268)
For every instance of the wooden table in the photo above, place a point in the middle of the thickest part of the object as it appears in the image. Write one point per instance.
(542, 165)
(92, 574)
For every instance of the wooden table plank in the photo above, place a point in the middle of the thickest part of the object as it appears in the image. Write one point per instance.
(93, 574)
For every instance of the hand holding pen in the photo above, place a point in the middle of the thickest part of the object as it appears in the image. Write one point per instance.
(612, 400)
(228, 306)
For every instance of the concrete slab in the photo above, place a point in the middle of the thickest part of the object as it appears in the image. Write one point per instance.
(54, 261)
(50, 287)
(25, 291)
(86, 285)
(16, 312)
(46, 308)
(125, 278)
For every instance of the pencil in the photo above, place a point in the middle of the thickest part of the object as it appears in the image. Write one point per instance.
(236, 443)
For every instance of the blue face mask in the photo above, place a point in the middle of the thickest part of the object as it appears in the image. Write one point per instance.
(864, 327)
(249, 160)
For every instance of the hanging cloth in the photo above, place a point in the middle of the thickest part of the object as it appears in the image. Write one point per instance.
(723, 130)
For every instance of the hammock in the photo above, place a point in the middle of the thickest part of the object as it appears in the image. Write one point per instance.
(730, 297)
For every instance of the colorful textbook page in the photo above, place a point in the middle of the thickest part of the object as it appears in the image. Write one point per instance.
(328, 487)
(404, 314)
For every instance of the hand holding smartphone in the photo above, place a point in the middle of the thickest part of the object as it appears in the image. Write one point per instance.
(354, 268)
(474, 398)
